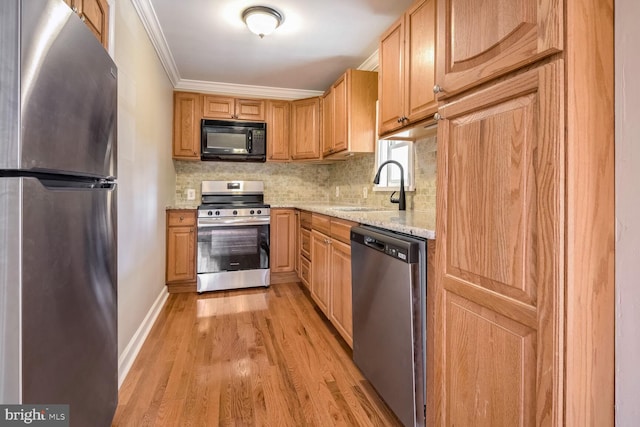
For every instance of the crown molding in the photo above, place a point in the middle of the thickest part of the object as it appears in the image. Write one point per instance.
(371, 63)
(232, 89)
(149, 19)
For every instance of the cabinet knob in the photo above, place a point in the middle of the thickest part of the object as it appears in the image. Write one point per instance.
(437, 116)
(181, 218)
(399, 120)
(82, 18)
(437, 89)
(75, 9)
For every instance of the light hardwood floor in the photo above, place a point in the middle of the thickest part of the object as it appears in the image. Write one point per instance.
(248, 358)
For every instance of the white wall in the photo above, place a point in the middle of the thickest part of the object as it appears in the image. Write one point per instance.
(146, 174)
(627, 213)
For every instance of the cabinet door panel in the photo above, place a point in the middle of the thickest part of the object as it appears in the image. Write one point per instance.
(186, 125)
(391, 78)
(327, 122)
(180, 254)
(305, 133)
(499, 253)
(218, 107)
(278, 116)
(340, 114)
(282, 254)
(489, 343)
(482, 40)
(249, 109)
(340, 307)
(320, 273)
(95, 14)
(420, 44)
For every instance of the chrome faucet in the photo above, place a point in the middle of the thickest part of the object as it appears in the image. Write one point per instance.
(402, 203)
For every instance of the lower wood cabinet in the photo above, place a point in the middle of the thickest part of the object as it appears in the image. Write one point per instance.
(340, 309)
(304, 247)
(499, 275)
(320, 269)
(282, 256)
(181, 247)
(331, 272)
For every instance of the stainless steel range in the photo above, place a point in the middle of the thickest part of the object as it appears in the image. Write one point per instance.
(233, 236)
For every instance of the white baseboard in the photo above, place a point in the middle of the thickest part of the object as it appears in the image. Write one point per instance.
(128, 356)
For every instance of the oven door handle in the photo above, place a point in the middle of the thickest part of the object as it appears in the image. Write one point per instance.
(231, 222)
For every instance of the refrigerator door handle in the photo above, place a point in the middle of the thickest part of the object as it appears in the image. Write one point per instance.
(70, 184)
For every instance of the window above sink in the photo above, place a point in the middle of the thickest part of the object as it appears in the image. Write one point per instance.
(402, 152)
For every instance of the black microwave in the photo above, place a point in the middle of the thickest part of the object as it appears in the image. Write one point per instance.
(233, 141)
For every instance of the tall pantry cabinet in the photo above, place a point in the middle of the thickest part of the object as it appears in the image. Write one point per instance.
(523, 330)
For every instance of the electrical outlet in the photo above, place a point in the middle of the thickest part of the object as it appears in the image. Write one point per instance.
(337, 191)
(365, 192)
(191, 194)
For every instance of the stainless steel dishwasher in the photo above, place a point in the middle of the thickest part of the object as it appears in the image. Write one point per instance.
(389, 294)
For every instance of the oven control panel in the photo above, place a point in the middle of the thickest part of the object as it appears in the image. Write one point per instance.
(237, 212)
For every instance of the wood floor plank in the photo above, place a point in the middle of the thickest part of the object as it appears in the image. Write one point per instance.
(254, 357)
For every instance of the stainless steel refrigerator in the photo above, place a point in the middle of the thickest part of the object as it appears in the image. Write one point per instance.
(58, 342)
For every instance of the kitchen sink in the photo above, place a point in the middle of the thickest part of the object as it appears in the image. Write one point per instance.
(359, 209)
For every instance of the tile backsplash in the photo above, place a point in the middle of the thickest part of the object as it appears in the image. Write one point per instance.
(307, 182)
(283, 182)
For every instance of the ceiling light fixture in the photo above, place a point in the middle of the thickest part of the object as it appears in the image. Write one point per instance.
(262, 20)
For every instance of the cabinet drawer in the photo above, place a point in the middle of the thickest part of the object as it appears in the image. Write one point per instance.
(181, 217)
(305, 271)
(322, 223)
(341, 229)
(305, 243)
(305, 219)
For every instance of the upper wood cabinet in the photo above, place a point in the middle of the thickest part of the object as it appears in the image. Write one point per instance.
(351, 109)
(95, 14)
(305, 129)
(407, 54)
(327, 121)
(483, 40)
(278, 130)
(282, 257)
(225, 107)
(187, 112)
(499, 270)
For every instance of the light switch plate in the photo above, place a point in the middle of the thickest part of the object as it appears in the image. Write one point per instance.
(365, 192)
(337, 191)
(191, 194)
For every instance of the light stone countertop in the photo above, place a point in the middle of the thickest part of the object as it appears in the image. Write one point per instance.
(183, 206)
(416, 223)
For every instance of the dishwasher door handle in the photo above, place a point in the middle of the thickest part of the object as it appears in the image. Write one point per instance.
(374, 244)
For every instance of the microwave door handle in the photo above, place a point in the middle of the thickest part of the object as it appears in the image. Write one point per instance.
(249, 141)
